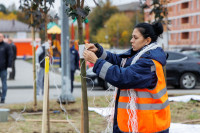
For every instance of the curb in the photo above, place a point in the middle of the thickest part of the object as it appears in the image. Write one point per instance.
(27, 87)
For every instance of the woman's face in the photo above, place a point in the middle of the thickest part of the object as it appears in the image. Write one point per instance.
(137, 40)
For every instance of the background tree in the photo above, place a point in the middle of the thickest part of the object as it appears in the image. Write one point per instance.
(100, 15)
(39, 11)
(21, 15)
(138, 17)
(11, 13)
(8, 13)
(158, 9)
(118, 29)
(36, 11)
(9, 16)
(3, 9)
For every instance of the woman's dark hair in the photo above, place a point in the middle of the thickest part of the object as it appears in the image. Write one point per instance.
(150, 30)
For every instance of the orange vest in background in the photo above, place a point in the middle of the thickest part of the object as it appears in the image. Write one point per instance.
(152, 106)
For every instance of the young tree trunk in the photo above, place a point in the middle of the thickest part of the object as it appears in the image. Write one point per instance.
(84, 100)
(33, 62)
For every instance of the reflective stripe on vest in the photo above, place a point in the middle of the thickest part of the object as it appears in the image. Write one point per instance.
(142, 94)
(152, 106)
(144, 106)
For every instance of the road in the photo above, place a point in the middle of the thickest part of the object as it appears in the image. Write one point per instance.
(26, 95)
(172, 91)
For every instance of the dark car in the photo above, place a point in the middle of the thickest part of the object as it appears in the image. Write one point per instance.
(182, 71)
(193, 53)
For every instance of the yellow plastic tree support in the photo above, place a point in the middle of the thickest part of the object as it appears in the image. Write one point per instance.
(45, 97)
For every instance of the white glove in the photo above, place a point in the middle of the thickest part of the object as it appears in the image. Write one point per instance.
(37, 65)
(9, 70)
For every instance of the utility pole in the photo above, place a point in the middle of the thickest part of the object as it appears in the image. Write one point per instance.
(77, 11)
(66, 95)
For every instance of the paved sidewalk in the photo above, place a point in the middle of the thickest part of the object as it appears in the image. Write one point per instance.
(24, 77)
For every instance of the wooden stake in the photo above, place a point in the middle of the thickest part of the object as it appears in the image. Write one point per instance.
(45, 97)
(53, 121)
(191, 121)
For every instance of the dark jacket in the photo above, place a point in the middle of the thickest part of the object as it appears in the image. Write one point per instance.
(14, 48)
(74, 59)
(42, 57)
(138, 75)
(6, 56)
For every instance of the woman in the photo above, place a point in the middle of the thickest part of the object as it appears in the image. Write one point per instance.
(141, 103)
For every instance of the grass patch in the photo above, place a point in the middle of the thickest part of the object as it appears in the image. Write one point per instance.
(180, 112)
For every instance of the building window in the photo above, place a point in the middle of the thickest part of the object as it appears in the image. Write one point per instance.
(197, 35)
(197, 19)
(197, 4)
(185, 5)
(185, 35)
(185, 20)
(179, 36)
(170, 9)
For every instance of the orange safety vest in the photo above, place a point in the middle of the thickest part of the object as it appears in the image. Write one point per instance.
(152, 106)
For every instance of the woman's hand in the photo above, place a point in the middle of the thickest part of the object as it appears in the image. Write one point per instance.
(90, 56)
(91, 47)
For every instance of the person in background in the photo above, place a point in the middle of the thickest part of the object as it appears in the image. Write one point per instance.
(74, 60)
(40, 54)
(14, 49)
(6, 57)
(141, 101)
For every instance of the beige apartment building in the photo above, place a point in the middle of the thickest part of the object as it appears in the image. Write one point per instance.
(184, 27)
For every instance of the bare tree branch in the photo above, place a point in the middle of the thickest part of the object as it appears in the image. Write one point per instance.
(82, 3)
(96, 3)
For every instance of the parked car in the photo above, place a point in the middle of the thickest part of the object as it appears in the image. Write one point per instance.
(192, 53)
(93, 78)
(182, 71)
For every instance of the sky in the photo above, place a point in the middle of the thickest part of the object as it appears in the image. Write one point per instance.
(90, 3)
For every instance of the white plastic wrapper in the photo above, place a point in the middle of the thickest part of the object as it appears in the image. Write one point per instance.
(81, 50)
(185, 98)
